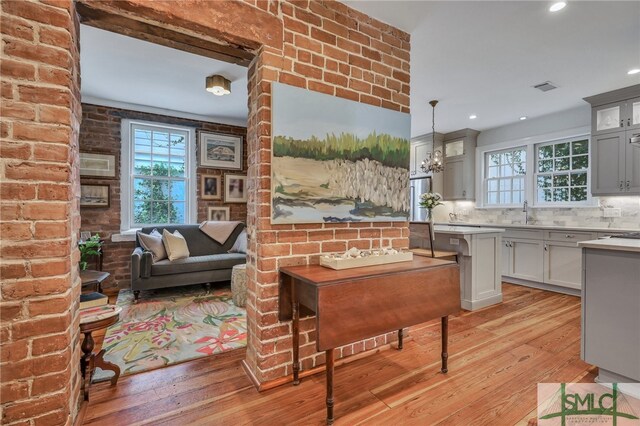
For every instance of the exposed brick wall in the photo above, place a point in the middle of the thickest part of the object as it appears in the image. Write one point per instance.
(100, 133)
(333, 49)
(39, 331)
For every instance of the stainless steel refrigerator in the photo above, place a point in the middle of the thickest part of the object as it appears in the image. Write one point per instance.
(418, 186)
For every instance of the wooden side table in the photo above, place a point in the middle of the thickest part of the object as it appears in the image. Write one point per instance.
(89, 360)
(93, 278)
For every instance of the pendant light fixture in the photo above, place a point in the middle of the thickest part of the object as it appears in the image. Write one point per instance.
(433, 163)
(218, 85)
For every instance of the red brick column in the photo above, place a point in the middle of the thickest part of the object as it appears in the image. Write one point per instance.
(332, 49)
(39, 213)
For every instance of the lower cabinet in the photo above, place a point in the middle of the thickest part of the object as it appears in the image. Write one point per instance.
(563, 264)
(552, 257)
(524, 259)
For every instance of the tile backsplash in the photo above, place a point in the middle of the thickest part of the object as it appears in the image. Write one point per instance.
(583, 216)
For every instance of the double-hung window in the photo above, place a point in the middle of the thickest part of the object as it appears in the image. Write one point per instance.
(158, 176)
(505, 173)
(562, 172)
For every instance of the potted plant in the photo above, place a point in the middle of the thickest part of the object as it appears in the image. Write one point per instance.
(90, 247)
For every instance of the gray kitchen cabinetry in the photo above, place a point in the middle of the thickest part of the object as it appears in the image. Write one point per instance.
(615, 142)
(611, 314)
(459, 151)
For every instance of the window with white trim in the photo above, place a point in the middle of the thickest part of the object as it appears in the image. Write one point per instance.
(158, 176)
(505, 173)
(562, 172)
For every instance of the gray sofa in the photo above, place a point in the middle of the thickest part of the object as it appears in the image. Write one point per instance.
(208, 262)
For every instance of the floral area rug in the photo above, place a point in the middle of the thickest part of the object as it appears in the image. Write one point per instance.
(169, 326)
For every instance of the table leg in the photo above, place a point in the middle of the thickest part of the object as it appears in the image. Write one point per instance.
(295, 326)
(445, 343)
(400, 336)
(98, 361)
(329, 357)
(86, 362)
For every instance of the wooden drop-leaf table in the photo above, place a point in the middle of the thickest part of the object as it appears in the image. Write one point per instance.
(351, 305)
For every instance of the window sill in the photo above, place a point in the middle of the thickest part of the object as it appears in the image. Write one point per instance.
(125, 236)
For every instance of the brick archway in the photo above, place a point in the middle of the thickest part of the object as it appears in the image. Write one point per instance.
(320, 45)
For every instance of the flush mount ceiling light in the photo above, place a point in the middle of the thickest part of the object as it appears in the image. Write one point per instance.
(634, 71)
(473, 117)
(524, 117)
(218, 85)
(555, 7)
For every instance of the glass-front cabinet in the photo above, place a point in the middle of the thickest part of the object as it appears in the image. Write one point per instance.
(634, 109)
(617, 116)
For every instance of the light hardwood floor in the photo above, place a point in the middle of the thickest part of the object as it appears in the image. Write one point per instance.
(497, 356)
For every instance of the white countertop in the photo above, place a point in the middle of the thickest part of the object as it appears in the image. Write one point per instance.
(464, 230)
(543, 227)
(618, 244)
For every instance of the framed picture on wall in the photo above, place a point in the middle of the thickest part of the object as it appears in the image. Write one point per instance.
(235, 188)
(94, 195)
(210, 187)
(220, 151)
(218, 213)
(97, 165)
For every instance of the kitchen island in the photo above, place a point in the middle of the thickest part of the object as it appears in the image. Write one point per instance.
(611, 308)
(479, 256)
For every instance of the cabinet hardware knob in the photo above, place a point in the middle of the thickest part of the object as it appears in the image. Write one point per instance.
(621, 185)
(545, 248)
(628, 185)
(569, 236)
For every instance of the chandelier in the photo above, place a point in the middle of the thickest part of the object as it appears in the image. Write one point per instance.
(433, 163)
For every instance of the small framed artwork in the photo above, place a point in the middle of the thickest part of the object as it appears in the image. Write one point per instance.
(210, 188)
(235, 188)
(94, 195)
(220, 151)
(97, 165)
(218, 213)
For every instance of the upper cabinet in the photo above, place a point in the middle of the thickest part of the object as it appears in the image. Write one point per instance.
(615, 117)
(615, 142)
(459, 151)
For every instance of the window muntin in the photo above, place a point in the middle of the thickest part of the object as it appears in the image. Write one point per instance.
(159, 175)
(562, 172)
(505, 173)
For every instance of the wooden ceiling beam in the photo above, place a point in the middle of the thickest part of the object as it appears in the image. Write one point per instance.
(109, 19)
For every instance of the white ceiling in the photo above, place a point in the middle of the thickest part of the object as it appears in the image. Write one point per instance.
(482, 58)
(476, 57)
(117, 69)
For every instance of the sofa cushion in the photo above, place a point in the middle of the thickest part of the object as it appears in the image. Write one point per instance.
(199, 243)
(240, 246)
(197, 263)
(153, 243)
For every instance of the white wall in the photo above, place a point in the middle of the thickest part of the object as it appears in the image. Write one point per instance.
(546, 124)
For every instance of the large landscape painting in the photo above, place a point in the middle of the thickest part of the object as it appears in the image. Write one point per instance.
(336, 160)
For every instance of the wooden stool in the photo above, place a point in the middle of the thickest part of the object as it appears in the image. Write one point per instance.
(89, 360)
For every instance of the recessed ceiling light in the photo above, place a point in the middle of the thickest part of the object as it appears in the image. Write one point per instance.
(524, 117)
(557, 6)
(473, 117)
(634, 71)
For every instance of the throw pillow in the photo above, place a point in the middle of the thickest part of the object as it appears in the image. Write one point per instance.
(175, 244)
(240, 246)
(153, 243)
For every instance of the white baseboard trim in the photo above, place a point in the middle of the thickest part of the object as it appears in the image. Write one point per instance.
(542, 286)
